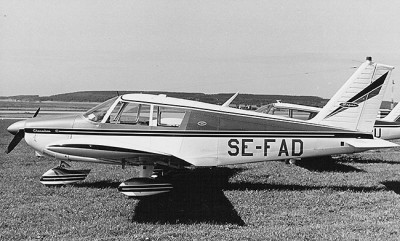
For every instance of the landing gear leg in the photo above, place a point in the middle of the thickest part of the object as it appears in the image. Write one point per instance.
(146, 170)
(64, 165)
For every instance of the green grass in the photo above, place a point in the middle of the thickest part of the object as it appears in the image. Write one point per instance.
(354, 197)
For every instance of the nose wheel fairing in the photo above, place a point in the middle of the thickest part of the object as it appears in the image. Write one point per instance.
(61, 176)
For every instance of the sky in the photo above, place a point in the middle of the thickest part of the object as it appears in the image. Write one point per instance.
(288, 47)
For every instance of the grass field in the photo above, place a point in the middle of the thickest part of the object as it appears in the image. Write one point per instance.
(354, 197)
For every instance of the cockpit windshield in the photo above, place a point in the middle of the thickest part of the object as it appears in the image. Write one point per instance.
(98, 112)
(119, 111)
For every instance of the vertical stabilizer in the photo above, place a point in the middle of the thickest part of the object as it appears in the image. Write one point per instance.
(355, 106)
(394, 114)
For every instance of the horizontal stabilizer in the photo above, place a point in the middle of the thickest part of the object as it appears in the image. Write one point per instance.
(371, 143)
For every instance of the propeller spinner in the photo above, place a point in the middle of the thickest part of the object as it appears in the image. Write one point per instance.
(17, 129)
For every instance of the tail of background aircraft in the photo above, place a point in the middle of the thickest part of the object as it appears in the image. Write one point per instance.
(394, 115)
(355, 106)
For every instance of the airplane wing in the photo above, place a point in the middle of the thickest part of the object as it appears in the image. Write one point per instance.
(371, 143)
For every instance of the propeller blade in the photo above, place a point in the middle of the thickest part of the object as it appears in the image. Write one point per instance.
(36, 113)
(14, 142)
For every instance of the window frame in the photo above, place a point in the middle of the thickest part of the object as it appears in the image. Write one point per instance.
(184, 111)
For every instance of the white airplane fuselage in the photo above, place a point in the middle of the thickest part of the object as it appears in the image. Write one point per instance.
(208, 135)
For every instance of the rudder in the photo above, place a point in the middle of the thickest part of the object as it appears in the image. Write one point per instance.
(356, 104)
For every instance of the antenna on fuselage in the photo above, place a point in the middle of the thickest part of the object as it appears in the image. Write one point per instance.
(392, 102)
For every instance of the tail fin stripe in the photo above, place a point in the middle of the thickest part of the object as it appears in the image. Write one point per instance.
(378, 83)
(372, 89)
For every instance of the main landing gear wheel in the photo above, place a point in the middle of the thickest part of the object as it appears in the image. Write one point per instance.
(292, 161)
(59, 175)
(144, 185)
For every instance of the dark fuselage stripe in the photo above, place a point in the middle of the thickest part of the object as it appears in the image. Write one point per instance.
(97, 148)
(212, 134)
(386, 127)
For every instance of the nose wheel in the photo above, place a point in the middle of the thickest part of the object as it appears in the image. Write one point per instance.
(59, 175)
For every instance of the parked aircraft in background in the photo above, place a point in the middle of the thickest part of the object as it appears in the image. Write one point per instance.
(301, 112)
(156, 130)
(387, 128)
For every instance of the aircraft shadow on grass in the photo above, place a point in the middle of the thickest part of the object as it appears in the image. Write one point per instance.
(326, 164)
(197, 197)
(352, 159)
(393, 185)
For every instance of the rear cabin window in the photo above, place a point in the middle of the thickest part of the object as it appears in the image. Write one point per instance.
(291, 113)
(279, 111)
(169, 116)
(301, 115)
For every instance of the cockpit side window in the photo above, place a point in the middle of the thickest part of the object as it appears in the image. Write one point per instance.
(115, 113)
(131, 114)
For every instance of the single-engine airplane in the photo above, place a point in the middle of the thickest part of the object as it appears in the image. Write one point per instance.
(156, 130)
(387, 128)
